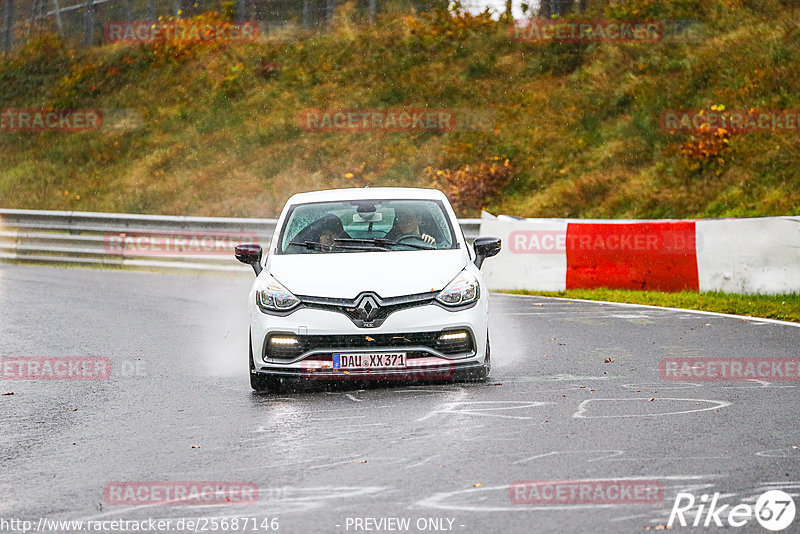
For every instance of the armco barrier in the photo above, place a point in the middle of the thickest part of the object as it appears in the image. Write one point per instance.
(733, 255)
(93, 239)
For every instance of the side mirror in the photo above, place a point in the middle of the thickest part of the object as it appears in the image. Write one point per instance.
(249, 254)
(485, 247)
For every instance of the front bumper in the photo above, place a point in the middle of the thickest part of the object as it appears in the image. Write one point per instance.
(324, 333)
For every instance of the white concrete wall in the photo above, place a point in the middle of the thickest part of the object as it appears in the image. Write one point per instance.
(514, 270)
(745, 256)
(749, 255)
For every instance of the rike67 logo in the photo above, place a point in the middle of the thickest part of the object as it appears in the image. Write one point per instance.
(774, 510)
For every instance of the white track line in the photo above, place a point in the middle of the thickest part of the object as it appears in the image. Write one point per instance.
(629, 305)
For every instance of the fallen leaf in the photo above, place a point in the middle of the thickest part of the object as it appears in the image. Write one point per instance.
(538, 304)
(195, 446)
(362, 461)
(795, 447)
(478, 485)
(609, 360)
(498, 383)
(651, 400)
(9, 393)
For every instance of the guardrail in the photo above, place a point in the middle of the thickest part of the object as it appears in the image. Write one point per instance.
(104, 239)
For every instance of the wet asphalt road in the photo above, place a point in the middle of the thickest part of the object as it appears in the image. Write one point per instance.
(178, 407)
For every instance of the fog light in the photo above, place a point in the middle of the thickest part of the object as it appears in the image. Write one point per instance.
(283, 347)
(454, 342)
(285, 341)
(453, 336)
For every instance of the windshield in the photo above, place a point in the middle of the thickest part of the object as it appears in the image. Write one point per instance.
(366, 226)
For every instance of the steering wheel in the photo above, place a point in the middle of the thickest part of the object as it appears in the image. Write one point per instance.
(414, 236)
(409, 236)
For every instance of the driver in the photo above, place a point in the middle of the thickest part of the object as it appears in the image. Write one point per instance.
(406, 222)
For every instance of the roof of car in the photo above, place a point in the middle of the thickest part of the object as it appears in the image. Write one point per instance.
(366, 193)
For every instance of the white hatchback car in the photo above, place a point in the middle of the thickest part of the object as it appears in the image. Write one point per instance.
(368, 284)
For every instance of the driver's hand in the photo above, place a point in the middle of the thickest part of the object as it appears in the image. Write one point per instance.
(429, 239)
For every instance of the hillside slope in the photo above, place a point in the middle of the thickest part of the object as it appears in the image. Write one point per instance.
(574, 128)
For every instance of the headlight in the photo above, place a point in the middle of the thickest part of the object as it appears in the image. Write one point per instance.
(463, 289)
(272, 296)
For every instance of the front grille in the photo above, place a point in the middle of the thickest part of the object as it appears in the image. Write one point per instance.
(363, 341)
(368, 310)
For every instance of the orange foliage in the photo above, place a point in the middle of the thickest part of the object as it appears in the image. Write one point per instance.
(470, 187)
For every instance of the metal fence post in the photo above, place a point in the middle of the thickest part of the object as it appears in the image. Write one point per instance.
(151, 10)
(89, 23)
(373, 7)
(9, 37)
(306, 13)
(57, 12)
(241, 10)
(330, 9)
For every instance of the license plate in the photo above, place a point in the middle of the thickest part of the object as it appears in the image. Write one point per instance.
(369, 360)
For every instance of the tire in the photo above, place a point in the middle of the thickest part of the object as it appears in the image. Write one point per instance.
(481, 374)
(257, 382)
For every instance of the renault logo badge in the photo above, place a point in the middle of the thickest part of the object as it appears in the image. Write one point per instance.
(367, 308)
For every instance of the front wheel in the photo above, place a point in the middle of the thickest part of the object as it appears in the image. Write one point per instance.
(484, 371)
(481, 373)
(257, 382)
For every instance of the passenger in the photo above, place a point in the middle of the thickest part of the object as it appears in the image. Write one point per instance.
(324, 231)
(330, 229)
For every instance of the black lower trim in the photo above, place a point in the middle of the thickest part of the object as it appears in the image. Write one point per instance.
(456, 371)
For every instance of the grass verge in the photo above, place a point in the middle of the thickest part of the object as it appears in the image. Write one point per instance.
(783, 307)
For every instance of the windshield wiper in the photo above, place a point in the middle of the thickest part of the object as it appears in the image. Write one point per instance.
(313, 245)
(381, 241)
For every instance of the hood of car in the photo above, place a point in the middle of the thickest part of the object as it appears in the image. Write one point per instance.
(345, 275)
